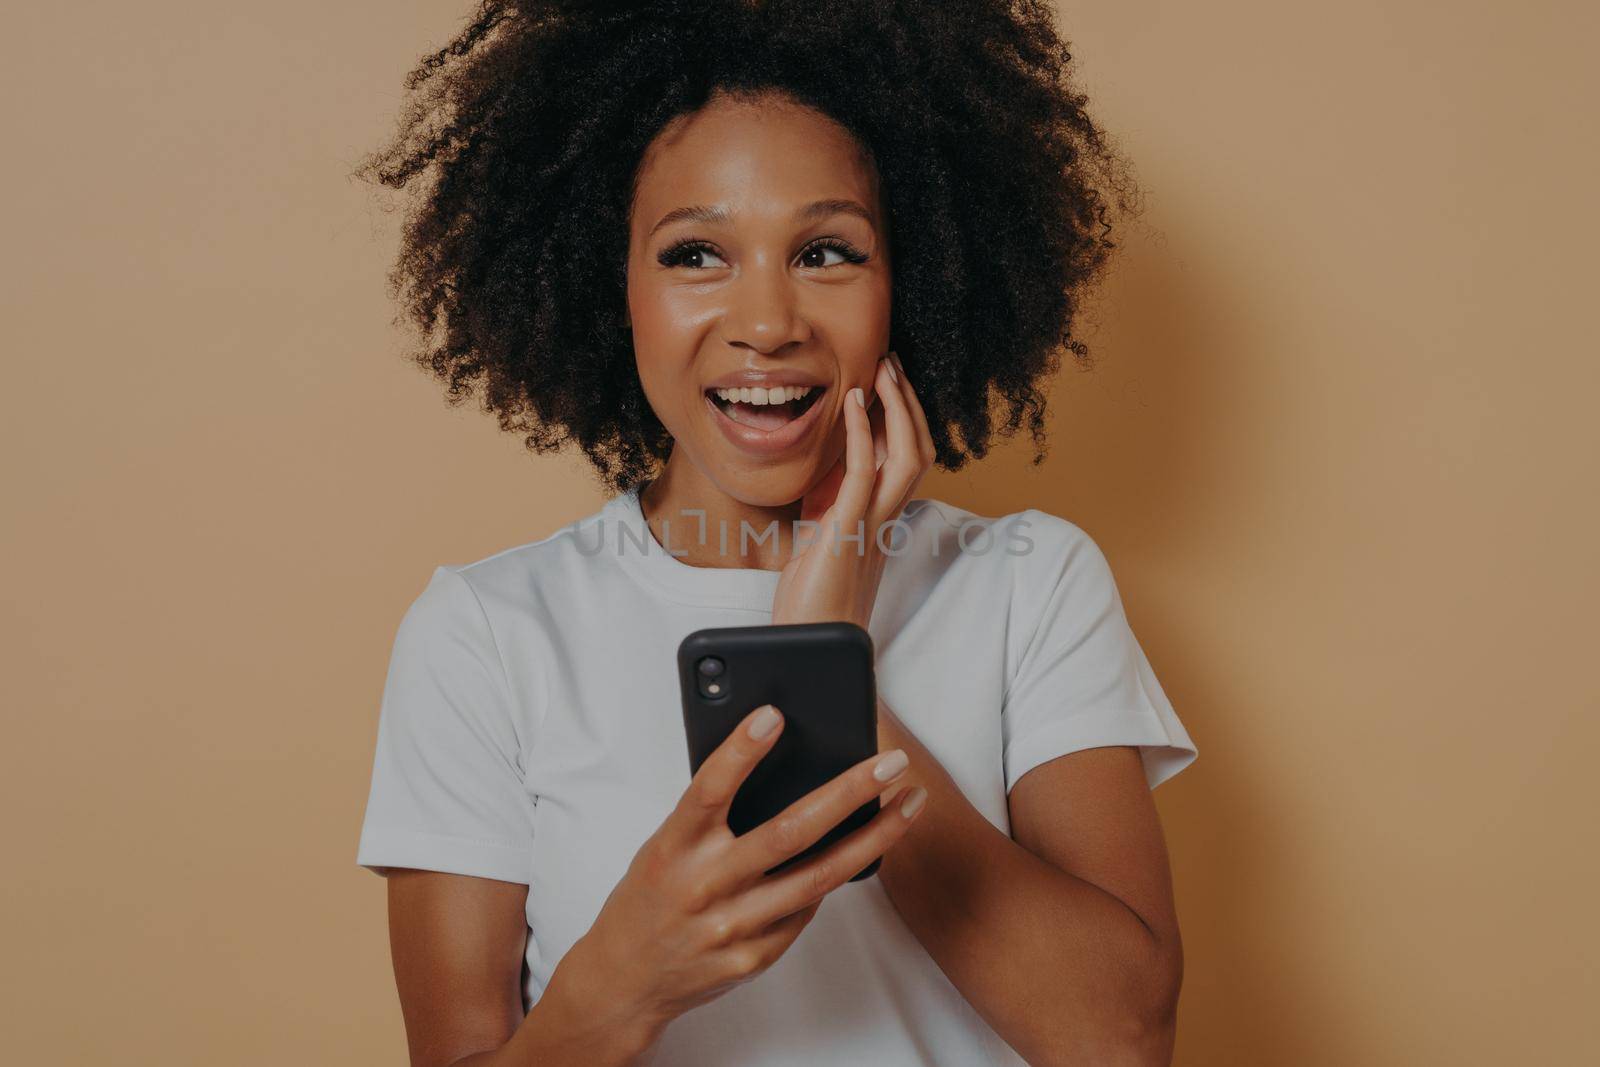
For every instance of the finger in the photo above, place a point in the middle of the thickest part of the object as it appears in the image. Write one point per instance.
(920, 417)
(803, 823)
(752, 955)
(713, 786)
(903, 466)
(812, 879)
(880, 436)
(855, 490)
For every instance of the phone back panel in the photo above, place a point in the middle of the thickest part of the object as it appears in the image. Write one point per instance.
(820, 676)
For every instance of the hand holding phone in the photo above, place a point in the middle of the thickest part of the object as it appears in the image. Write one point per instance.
(697, 913)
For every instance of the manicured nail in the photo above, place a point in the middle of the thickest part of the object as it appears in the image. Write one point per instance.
(861, 398)
(913, 802)
(766, 721)
(890, 765)
(894, 375)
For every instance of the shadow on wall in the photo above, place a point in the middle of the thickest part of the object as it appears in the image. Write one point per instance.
(1153, 452)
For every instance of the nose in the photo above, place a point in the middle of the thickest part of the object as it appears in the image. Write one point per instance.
(762, 312)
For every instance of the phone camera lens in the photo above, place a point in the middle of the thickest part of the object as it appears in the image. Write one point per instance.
(710, 667)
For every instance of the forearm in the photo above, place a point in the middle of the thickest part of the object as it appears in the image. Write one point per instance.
(574, 1022)
(1063, 970)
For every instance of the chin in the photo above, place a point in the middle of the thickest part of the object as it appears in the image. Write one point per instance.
(767, 491)
(771, 487)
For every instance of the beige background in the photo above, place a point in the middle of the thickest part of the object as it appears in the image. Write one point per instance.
(1340, 452)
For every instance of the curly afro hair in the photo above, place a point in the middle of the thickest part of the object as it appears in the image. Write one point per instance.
(523, 137)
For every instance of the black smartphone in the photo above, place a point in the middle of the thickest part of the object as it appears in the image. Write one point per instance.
(820, 676)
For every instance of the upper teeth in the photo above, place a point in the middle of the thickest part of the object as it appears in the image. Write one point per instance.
(778, 394)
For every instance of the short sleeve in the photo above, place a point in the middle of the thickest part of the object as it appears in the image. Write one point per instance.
(1082, 680)
(447, 790)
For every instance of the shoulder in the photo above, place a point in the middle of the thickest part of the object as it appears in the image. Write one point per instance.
(1028, 563)
(1057, 547)
(533, 569)
(497, 595)
(1031, 540)
(1061, 566)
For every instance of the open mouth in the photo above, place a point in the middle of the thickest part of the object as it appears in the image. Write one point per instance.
(778, 410)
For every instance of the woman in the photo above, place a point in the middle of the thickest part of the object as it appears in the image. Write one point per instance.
(874, 223)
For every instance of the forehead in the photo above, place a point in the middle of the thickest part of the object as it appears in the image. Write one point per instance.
(757, 158)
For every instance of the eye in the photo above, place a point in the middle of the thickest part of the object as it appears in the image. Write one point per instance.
(846, 251)
(688, 253)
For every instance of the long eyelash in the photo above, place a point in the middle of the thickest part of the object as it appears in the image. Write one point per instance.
(674, 254)
(848, 251)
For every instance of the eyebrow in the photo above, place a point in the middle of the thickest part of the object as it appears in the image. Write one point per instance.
(817, 209)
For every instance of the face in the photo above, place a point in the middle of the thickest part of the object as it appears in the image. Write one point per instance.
(757, 258)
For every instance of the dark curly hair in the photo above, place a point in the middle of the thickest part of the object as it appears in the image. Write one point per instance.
(528, 128)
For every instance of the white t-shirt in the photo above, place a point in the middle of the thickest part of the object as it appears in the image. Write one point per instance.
(531, 731)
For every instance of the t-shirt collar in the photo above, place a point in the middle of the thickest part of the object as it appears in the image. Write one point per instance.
(628, 539)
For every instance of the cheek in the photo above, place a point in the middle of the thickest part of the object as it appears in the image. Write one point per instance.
(669, 322)
(860, 335)
(664, 347)
(675, 317)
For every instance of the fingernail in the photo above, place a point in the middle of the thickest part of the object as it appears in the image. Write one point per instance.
(765, 722)
(894, 376)
(861, 398)
(890, 765)
(913, 802)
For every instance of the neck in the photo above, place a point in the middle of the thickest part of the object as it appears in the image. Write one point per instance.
(670, 503)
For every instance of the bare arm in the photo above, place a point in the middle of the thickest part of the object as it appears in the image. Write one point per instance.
(458, 945)
(1065, 939)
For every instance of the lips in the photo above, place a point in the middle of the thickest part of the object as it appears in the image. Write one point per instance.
(771, 429)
